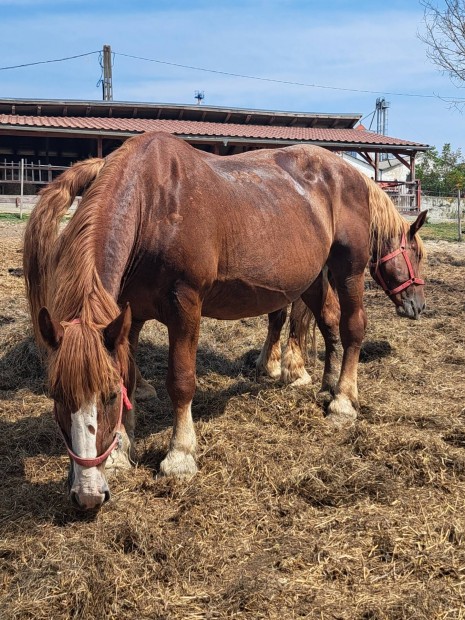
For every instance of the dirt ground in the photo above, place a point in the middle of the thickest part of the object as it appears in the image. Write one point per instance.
(287, 518)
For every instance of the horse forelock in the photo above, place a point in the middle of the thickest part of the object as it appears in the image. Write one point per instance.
(82, 367)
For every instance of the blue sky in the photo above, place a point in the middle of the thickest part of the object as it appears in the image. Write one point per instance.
(358, 45)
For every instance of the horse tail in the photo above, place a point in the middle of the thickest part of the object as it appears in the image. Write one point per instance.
(301, 320)
(42, 229)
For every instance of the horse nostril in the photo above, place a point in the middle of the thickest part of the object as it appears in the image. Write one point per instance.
(107, 497)
(75, 500)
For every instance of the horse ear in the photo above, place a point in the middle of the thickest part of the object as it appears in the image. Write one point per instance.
(50, 330)
(117, 331)
(418, 223)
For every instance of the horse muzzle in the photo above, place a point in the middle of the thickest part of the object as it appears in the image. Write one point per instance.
(88, 488)
(89, 502)
(411, 308)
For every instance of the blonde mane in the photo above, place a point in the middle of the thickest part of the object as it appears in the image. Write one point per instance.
(76, 289)
(386, 222)
(68, 283)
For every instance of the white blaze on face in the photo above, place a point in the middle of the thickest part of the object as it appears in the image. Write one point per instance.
(88, 482)
(84, 431)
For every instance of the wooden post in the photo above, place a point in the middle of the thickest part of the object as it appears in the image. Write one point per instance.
(459, 216)
(22, 189)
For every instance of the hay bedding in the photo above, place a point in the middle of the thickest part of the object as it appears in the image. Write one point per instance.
(287, 518)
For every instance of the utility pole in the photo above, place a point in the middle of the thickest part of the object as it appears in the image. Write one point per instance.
(107, 82)
(459, 215)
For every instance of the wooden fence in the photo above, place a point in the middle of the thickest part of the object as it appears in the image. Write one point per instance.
(406, 195)
(30, 173)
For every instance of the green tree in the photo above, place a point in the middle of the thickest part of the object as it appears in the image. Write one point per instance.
(441, 173)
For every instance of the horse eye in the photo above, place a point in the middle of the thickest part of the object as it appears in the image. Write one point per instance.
(110, 399)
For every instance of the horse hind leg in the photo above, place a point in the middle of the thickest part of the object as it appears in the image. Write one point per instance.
(144, 390)
(323, 303)
(183, 332)
(269, 361)
(293, 362)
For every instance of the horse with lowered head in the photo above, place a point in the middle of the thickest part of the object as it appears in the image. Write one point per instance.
(167, 232)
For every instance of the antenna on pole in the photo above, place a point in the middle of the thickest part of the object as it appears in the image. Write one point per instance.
(381, 120)
(199, 95)
(381, 115)
(107, 81)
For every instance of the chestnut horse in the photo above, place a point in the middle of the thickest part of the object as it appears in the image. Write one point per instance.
(167, 232)
(396, 272)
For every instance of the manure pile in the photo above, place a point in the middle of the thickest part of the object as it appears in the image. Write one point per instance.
(287, 517)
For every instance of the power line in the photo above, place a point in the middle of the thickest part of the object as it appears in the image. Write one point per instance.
(44, 62)
(276, 81)
(241, 75)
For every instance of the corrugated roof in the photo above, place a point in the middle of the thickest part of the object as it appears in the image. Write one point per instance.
(199, 129)
(207, 113)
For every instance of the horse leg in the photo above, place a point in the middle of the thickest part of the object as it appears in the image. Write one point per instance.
(324, 305)
(144, 390)
(183, 331)
(343, 408)
(123, 456)
(293, 362)
(269, 360)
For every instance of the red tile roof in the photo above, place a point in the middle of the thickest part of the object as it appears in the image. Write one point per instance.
(199, 129)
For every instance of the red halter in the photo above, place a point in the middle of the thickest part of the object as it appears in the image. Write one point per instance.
(98, 460)
(412, 277)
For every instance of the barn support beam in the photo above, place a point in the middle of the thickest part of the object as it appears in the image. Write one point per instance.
(403, 161)
(367, 158)
(412, 167)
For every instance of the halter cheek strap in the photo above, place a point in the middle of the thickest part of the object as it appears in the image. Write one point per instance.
(98, 460)
(412, 277)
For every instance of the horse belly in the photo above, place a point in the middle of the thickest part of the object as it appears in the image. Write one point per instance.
(239, 299)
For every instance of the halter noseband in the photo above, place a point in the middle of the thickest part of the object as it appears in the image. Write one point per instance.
(412, 277)
(98, 460)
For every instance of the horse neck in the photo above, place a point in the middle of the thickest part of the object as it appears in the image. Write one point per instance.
(82, 297)
(90, 262)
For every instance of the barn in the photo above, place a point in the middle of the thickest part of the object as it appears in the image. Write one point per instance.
(44, 137)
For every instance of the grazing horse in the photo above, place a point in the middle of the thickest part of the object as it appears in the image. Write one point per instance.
(396, 271)
(167, 232)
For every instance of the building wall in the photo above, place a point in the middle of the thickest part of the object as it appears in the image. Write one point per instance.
(442, 208)
(390, 170)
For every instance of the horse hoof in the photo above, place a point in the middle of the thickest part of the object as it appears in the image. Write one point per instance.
(295, 379)
(324, 397)
(118, 460)
(305, 379)
(144, 391)
(122, 456)
(179, 464)
(341, 412)
(271, 370)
